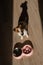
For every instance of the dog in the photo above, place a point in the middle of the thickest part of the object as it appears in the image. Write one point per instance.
(22, 28)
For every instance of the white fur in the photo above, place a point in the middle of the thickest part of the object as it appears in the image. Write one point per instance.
(25, 33)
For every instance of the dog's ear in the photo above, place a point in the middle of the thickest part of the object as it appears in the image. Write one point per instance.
(16, 29)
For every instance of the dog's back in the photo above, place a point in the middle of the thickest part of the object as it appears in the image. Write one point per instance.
(23, 19)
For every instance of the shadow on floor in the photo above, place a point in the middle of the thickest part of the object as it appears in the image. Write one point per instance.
(40, 3)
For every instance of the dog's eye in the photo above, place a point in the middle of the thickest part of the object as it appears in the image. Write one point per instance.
(17, 52)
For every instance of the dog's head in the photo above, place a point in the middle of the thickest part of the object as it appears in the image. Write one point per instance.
(19, 30)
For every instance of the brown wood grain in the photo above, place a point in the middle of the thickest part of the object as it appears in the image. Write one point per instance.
(35, 32)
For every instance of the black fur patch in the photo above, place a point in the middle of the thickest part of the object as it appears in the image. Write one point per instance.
(23, 19)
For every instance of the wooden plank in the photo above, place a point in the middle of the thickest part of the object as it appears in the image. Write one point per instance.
(35, 32)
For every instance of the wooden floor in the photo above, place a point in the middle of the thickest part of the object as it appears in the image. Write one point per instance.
(35, 32)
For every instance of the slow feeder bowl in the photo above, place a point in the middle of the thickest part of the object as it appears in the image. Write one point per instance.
(27, 48)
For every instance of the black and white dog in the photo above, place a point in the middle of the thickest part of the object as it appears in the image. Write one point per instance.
(22, 28)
